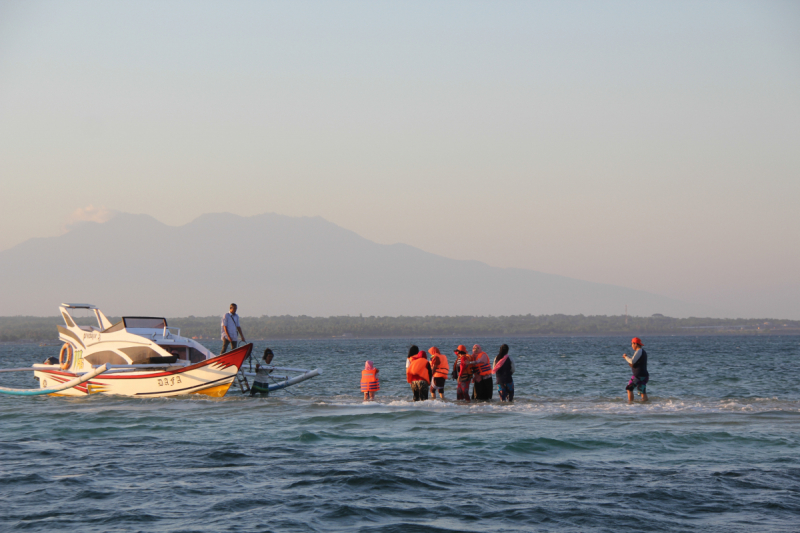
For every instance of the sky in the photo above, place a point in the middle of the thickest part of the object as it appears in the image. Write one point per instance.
(652, 145)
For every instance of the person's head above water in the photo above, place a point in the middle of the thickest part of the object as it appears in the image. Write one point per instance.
(503, 351)
(268, 355)
(636, 343)
(369, 366)
(414, 350)
(476, 349)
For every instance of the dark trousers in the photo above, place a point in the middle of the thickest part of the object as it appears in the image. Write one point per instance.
(225, 343)
(420, 390)
(484, 389)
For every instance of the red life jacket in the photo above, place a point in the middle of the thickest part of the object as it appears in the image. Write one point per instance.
(465, 367)
(369, 381)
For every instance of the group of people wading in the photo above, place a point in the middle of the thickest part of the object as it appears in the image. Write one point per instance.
(424, 374)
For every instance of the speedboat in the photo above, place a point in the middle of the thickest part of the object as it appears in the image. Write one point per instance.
(137, 356)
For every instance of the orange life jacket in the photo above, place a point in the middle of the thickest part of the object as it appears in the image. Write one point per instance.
(442, 366)
(418, 370)
(369, 381)
(483, 365)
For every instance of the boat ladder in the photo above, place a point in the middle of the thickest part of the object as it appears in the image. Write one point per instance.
(241, 379)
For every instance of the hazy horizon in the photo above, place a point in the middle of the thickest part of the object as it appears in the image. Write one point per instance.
(280, 265)
(650, 146)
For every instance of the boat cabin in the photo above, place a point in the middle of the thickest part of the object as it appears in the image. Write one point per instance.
(165, 343)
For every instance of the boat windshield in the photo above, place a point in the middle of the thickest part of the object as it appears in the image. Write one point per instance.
(145, 322)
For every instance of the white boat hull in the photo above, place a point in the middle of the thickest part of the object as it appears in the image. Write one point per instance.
(211, 377)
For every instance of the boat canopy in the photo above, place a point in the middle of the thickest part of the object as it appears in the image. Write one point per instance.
(138, 322)
(78, 306)
(145, 322)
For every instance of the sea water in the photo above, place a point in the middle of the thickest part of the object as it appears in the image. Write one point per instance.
(716, 449)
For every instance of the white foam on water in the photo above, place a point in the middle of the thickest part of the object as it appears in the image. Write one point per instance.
(579, 406)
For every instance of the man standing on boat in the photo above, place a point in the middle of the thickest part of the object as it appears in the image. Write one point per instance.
(231, 330)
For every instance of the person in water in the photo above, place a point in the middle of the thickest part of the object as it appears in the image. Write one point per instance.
(441, 368)
(414, 350)
(419, 374)
(369, 381)
(482, 375)
(504, 369)
(462, 372)
(638, 363)
(261, 381)
(231, 330)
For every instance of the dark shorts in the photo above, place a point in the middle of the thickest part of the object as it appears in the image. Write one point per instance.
(506, 391)
(259, 388)
(638, 383)
(438, 383)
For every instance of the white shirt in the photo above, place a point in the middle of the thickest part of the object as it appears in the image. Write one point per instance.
(232, 321)
(262, 375)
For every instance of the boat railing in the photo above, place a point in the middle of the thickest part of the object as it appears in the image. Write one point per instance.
(170, 330)
(111, 368)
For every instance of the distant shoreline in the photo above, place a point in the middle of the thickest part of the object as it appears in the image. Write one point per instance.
(57, 343)
(43, 329)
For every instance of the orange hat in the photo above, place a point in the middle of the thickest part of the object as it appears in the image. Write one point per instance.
(461, 348)
(433, 350)
(637, 340)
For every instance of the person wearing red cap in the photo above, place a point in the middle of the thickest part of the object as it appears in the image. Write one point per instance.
(638, 363)
(419, 375)
(462, 372)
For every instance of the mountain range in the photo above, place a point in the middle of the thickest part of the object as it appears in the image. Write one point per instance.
(279, 265)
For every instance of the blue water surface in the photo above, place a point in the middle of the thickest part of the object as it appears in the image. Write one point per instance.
(716, 449)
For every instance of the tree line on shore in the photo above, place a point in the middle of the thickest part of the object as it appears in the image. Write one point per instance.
(43, 329)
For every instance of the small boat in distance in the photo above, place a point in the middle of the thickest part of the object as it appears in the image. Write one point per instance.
(142, 357)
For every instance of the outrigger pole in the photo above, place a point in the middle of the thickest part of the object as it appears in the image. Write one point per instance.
(307, 374)
(298, 379)
(69, 384)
